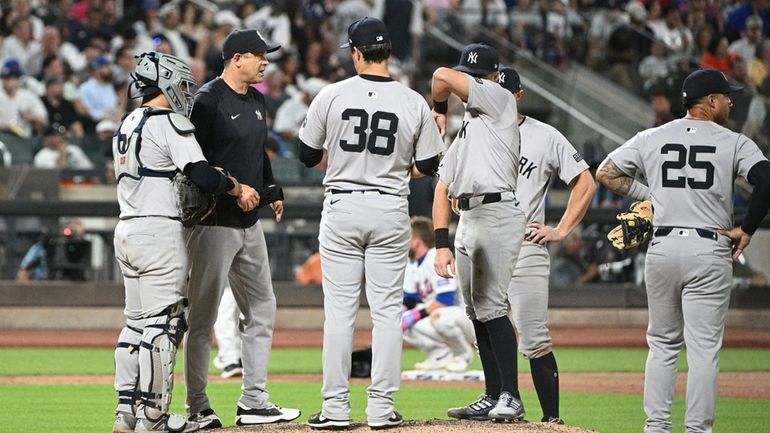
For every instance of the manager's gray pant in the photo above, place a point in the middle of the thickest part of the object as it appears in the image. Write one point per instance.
(218, 256)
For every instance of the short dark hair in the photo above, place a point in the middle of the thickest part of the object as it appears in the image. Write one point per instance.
(375, 53)
(689, 103)
(422, 227)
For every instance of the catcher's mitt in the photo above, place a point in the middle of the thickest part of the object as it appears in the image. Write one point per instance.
(635, 226)
(193, 204)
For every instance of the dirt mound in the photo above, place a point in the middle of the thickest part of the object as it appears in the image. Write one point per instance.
(431, 426)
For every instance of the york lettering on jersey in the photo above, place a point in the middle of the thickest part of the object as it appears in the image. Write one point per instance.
(463, 130)
(526, 167)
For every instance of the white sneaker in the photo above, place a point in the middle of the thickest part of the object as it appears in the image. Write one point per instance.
(219, 363)
(247, 416)
(456, 365)
(432, 364)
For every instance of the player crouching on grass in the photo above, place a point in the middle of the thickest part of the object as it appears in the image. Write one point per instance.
(434, 317)
(154, 144)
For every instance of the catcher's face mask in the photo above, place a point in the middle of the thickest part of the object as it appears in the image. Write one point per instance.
(168, 74)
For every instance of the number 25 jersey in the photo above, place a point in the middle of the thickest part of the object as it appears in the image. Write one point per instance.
(690, 166)
(372, 128)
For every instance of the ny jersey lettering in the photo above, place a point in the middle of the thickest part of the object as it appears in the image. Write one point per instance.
(487, 145)
(161, 148)
(420, 278)
(690, 166)
(372, 131)
(545, 152)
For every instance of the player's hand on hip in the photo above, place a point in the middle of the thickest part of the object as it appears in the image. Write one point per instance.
(441, 122)
(277, 207)
(444, 264)
(541, 233)
(738, 238)
(249, 198)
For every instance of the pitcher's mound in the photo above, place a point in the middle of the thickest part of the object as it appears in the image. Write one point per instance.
(429, 426)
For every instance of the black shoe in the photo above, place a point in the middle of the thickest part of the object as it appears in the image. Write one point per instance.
(320, 422)
(477, 411)
(232, 370)
(207, 419)
(394, 421)
(552, 420)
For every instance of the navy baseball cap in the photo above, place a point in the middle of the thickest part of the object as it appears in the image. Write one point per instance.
(705, 82)
(241, 41)
(478, 60)
(11, 69)
(510, 79)
(367, 31)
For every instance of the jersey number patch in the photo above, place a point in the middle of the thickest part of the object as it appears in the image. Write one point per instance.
(369, 141)
(682, 160)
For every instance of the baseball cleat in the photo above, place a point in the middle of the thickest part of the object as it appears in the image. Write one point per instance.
(476, 411)
(168, 423)
(247, 416)
(508, 408)
(207, 419)
(319, 422)
(456, 364)
(232, 370)
(552, 420)
(125, 422)
(394, 421)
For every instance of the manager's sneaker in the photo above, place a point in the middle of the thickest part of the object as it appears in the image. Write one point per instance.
(508, 408)
(552, 420)
(232, 370)
(476, 411)
(395, 420)
(207, 419)
(125, 422)
(245, 416)
(168, 423)
(320, 422)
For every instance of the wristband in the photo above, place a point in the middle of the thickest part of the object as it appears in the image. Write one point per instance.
(441, 107)
(442, 238)
(423, 313)
(639, 191)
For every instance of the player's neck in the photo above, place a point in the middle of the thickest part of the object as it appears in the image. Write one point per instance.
(378, 69)
(232, 80)
(696, 113)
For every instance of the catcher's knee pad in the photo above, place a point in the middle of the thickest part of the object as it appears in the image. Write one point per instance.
(127, 363)
(162, 335)
(455, 329)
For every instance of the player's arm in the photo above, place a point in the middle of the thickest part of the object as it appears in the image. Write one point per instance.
(426, 167)
(211, 180)
(583, 188)
(759, 203)
(312, 157)
(444, 263)
(445, 82)
(619, 182)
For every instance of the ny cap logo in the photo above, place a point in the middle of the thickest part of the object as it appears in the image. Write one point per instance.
(502, 77)
(473, 57)
(259, 114)
(379, 38)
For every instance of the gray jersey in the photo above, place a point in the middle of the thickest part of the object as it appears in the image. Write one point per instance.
(378, 144)
(490, 122)
(690, 166)
(162, 149)
(545, 152)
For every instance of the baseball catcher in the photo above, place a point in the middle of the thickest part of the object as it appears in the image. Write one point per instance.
(635, 226)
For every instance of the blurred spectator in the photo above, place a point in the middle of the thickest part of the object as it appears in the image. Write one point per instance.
(171, 20)
(670, 30)
(275, 92)
(760, 64)
(273, 23)
(746, 46)
(292, 113)
(737, 19)
(404, 20)
(757, 124)
(34, 265)
(58, 153)
(272, 149)
(52, 45)
(148, 25)
(739, 73)
(98, 93)
(703, 36)
(21, 111)
(346, 12)
(21, 9)
(310, 272)
(60, 110)
(487, 14)
(717, 56)
(20, 45)
(744, 276)
(225, 21)
(125, 64)
(196, 25)
(654, 68)
(628, 43)
(569, 267)
(82, 34)
(104, 132)
(661, 105)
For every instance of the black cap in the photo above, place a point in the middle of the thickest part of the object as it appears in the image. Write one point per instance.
(705, 82)
(54, 129)
(245, 41)
(367, 31)
(478, 60)
(510, 79)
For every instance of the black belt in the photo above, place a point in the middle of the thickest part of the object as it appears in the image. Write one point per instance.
(492, 197)
(353, 191)
(150, 216)
(704, 233)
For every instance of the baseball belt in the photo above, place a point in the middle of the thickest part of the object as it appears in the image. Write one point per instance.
(682, 231)
(468, 203)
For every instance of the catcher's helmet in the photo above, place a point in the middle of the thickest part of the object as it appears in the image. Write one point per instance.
(168, 74)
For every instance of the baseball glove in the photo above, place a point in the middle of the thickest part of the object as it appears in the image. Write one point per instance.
(635, 226)
(193, 204)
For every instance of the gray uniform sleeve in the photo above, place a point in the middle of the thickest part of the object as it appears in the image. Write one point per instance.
(313, 129)
(628, 157)
(429, 143)
(446, 170)
(570, 162)
(183, 149)
(486, 97)
(747, 154)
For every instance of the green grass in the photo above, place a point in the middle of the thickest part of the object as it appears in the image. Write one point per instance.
(88, 408)
(36, 361)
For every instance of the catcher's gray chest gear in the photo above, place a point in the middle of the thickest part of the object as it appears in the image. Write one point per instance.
(690, 166)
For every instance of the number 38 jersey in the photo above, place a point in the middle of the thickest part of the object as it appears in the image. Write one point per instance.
(372, 128)
(690, 166)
